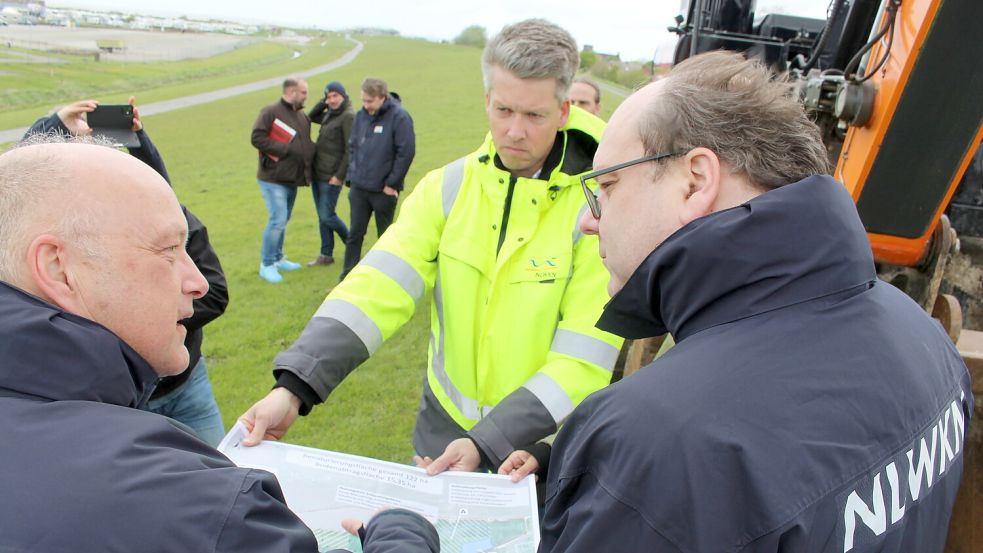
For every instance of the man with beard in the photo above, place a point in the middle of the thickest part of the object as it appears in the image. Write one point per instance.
(282, 135)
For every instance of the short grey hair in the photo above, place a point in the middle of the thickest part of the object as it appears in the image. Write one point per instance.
(533, 49)
(736, 107)
(29, 185)
(592, 84)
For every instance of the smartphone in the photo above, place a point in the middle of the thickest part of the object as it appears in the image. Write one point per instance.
(111, 116)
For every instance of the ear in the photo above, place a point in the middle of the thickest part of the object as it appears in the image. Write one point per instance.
(52, 274)
(564, 113)
(702, 172)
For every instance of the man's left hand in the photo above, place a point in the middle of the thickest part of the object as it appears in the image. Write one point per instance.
(390, 191)
(461, 455)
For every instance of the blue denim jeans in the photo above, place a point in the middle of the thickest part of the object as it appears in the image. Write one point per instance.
(280, 204)
(325, 200)
(193, 404)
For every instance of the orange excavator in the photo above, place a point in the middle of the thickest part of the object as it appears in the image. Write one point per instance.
(896, 86)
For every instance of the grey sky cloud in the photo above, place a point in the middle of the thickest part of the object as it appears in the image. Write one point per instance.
(636, 29)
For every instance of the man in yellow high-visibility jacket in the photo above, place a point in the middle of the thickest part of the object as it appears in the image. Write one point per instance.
(516, 286)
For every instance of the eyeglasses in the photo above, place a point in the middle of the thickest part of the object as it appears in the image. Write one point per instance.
(595, 207)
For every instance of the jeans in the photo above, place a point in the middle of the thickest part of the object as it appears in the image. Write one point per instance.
(325, 200)
(280, 204)
(363, 204)
(193, 404)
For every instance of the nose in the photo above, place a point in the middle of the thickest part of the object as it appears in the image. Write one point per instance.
(193, 282)
(517, 130)
(588, 224)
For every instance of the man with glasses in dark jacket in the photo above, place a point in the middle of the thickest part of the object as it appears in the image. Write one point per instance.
(807, 405)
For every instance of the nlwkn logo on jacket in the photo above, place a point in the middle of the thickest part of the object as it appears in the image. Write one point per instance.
(926, 459)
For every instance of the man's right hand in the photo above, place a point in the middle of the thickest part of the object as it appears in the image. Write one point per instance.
(519, 464)
(270, 417)
(74, 120)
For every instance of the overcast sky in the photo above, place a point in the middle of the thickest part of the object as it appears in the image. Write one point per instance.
(633, 28)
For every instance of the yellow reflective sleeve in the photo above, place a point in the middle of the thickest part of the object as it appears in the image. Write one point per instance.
(400, 268)
(582, 357)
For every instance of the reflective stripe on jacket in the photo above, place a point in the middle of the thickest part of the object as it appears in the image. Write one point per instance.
(513, 347)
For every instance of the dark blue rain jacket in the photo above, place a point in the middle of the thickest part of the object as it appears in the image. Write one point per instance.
(807, 406)
(81, 469)
(381, 147)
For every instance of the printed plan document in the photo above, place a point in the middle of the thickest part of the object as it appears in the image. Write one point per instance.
(472, 512)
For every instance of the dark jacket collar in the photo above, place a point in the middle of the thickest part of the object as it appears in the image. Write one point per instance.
(346, 105)
(49, 354)
(793, 244)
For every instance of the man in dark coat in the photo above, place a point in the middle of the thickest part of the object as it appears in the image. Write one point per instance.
(94, 284)
(282, 135)
(381, 149)
(807, 405)
(335, 116)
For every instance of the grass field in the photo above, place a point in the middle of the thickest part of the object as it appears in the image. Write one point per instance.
(29, 89)
(213, 167)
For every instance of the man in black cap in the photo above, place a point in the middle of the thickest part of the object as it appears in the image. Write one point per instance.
(334, 114)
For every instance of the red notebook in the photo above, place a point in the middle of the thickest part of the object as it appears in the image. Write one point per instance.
(281, 132)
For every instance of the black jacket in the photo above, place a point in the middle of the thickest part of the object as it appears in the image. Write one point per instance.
(83, 470)
(331, 148)
(381, 148)
(292, 163)
(208, 307)
(788, 414)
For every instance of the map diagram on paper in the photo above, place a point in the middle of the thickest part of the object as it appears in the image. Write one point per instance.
(473, 513)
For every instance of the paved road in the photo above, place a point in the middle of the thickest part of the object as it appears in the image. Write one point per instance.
(12, 135)
(604, 86)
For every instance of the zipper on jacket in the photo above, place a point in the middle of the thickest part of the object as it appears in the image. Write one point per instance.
(505, 213)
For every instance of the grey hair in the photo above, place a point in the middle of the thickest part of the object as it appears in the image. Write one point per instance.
(736, 107)
(592, 84)
(32, 185)
(533, 49)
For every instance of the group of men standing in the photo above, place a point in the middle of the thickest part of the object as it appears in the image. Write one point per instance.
(370, 151)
